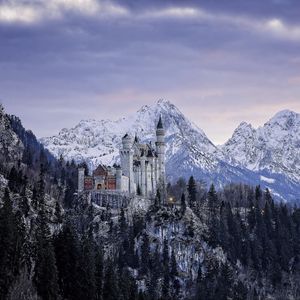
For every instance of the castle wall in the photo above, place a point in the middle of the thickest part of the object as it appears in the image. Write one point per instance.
(81, 179)
(127, 166)
(148, 179)
(149, 172)
(143, 175)
(124, 184)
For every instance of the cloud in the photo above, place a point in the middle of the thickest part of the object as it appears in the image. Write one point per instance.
(173, 12)
(279, 28)
(18, 14)
(31, 12)
(274, 26)
(107, 58)
(87, 7)
(83, 6)
(34, 11)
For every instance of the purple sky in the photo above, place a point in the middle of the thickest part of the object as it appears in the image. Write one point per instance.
(220, 62)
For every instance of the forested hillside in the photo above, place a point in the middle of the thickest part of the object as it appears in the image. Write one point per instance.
(197, 243)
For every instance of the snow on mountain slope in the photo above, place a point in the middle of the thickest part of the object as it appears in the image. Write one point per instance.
(99, 141)
(188, 150)
(274, 147)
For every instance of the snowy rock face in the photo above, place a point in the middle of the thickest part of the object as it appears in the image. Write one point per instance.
(99, 141)
(268, 156)
(274, 147)
(11, 148)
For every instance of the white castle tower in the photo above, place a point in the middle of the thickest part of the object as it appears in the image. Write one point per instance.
(142, 168)
(126, 155)
(144, 165)
(160, 151)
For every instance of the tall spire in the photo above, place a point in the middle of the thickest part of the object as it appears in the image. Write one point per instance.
(159, 124)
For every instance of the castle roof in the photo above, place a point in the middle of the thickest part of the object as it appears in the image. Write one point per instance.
(159, 124)
(150, 153)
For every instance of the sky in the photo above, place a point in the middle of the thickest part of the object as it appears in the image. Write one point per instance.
(220, 62)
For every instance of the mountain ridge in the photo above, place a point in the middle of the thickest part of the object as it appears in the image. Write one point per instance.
(275, 146)
(189, 151)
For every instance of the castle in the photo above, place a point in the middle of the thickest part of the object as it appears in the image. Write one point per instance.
(142, 169)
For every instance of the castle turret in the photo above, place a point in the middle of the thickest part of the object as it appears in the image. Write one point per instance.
(160, 150)
(81, 179)
(118, 178)
(143, 173)
(127, 142)
(151, 184)
(126, 155)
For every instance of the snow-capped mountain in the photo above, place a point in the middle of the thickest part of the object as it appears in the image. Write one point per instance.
(274, 147)
(100, 141)
(188, 152)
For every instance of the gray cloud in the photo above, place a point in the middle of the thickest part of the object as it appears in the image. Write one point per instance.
(238, 60)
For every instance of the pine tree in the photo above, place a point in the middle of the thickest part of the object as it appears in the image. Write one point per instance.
(87, 268)
(166, 286)
(145, 254)
(13, 180)
(99, 276)
(19, 242)
(67, 254)
(155, 274)
(110, 287)
(221, 234)
(202, 291)
(212, 199)
(166, 259)
(252, 214)
(166, 272)
(192, 192)
(131, 259)
(267, 196)
(210, 281)
(173, 271)
(258, 196)
(224, 289)
(173, 276)
(34, 198)
(7, 244)
(239, 291)
(57, 213)
(213, 221)
(41, 189)
(24, 206)
(45, 271)
(22, 288)
(183, 204)
(122, 223)
(69, 193)
(127, 286)
(157, 200)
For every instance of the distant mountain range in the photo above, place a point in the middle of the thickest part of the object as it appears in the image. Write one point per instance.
(269, 155)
